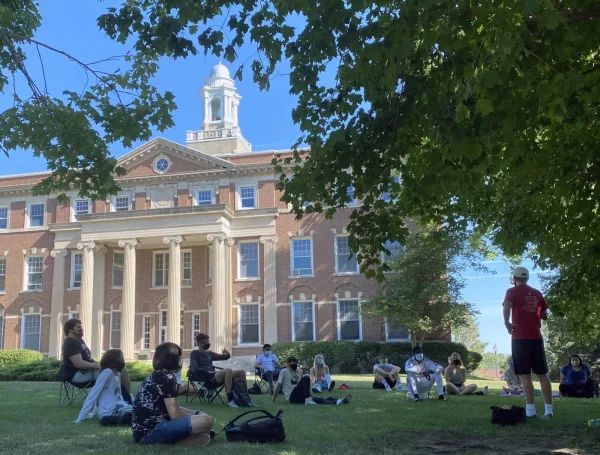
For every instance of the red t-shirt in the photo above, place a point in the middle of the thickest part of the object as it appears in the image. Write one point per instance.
(528, 304)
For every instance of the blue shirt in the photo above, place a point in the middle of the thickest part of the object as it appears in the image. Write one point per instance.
(574, 377)
(268, 363)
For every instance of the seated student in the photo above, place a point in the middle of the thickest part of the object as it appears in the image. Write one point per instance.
(77, 359)
(268, 364)
(296, 387)
(576, 379)
(387, 375)
(157, 416)
(201, 360)
(456, 376)
(319, 375)
(513, 383)
(422, 373)
(105, 398)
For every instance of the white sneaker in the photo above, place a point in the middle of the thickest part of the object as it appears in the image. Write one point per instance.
(309, 400)
(409, 396)
(232, 404)
(387, 387)
(344, 400)
(401, 388)
(486, 390)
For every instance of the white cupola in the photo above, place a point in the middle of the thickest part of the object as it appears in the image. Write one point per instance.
(221, 99)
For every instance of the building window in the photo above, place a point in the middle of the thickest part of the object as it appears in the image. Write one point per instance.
(210, 264)
(302, 262)
(348, 320)
(2, 275)
(33, 273)
(76, 268)
(303, 321)
(344, 263)
(3, 217)
(195, 328)
(36, 215)
(115, 330)
(248, 260)
(161, 270)
(30, 338)
(186, 268)
(393, 333)
(247, 197)
(249, 326)
(117, 271)
(395, 250)
(1, 331)
(163, 326)
(204, 197)
(146, 333)
(161, 164)
(73, 315)
(121, 204)
(81, 207)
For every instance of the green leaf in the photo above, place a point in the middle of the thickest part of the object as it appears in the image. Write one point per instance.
(484, 106)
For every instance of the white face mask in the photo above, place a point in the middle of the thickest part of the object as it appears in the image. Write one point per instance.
(419, 357)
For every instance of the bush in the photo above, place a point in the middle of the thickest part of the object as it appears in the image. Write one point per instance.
(37, 370)
(138, 371)
(9, 356)
(350, 356)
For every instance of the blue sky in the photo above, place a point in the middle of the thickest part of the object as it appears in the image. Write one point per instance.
(265, 117)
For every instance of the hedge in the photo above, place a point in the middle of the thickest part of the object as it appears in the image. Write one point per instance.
(8, 356)
(351, 356)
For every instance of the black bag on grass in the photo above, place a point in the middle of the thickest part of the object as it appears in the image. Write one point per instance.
(504, 417)
(240, 393)
(255, 389)
(117, 421)
(262, 429)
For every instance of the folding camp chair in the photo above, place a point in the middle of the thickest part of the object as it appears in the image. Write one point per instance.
(204, 387)
(258, 379)
(73, 392)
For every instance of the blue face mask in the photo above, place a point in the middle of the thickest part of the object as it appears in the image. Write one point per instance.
(267, 353)
(383, 364)
(319, 362)
(419, 357)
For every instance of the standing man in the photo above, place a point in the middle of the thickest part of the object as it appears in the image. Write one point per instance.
(528, 308)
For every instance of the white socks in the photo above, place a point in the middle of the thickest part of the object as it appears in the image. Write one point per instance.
(387, 386)
(547, 409)
(530, 410)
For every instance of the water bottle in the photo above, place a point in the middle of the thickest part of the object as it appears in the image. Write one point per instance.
(593, 423)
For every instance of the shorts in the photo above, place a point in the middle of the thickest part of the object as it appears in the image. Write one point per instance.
(169, 431)
(391, 383)
(529, 356)
(85, 376)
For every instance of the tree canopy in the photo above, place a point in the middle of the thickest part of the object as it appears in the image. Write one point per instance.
(469, 336)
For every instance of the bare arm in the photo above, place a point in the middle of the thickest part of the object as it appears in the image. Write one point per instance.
(78, 362)
(276, 391)
(313, 375)
(463, 372)
(544, 315)
(175, 412)
(448, 374)
(506, 309)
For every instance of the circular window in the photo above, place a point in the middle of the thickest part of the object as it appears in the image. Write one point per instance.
(161, 165)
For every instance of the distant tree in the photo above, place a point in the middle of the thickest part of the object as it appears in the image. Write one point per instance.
(492, 360)
(469, 335)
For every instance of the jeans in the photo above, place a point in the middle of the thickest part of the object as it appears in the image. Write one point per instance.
(322, 384)
(169, 431)
(270, 376)
(302, 391)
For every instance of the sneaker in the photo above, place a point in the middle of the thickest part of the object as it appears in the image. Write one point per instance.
(441, 397)
(344, 400)
(409, 396)
(232, 404)
(213, 433)
(309, 400)
(416, 398)
(331, 386)
(387, 387)
(401, 388)
(486, 390)
(548, 417)
(315, 390)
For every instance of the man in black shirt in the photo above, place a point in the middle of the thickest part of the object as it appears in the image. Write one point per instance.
(201, 360)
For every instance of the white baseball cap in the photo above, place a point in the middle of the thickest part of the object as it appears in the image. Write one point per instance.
(520, 272)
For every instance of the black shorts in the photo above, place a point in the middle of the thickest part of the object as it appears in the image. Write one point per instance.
(529, 356)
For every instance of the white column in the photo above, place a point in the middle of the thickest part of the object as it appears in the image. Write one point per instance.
(228, 294)
(270, 292)
(87, 287)
(128, 301)
(57, 305)
(97, 340)
(219, 295)
(174, 292)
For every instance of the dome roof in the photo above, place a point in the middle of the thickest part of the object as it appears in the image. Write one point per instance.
(220, 70)
(219, 77)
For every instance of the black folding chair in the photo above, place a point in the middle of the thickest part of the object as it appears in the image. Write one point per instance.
(73, 392)
(258, 379)
(204, 387)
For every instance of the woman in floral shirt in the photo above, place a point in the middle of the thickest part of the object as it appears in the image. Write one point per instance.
(157, 416)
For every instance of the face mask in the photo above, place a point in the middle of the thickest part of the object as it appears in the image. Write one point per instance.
(294, 366)
(456, 362)
(384, 364)
(267, 353)
(419, 357)
(206, 346)
(319, 362)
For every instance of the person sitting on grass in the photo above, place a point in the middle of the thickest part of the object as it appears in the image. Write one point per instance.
(422, 373)
(387, 375)
(201, 363)
(456, 376)
(513, 383)
(105, 398)
(319, 375)
(269, 366)
(296, 387)
(78, 365)
(157, 416)
(576, 379)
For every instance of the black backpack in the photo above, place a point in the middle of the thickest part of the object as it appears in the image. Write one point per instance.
(262, 429)
(240, 393)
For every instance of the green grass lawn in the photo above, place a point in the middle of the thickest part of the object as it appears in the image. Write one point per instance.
(375, 422)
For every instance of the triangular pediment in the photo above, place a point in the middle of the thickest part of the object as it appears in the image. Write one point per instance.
(144, 161)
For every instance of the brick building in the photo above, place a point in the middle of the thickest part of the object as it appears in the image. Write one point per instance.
(197, 240)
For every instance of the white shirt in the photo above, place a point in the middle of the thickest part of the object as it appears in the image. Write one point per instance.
(268, 363)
